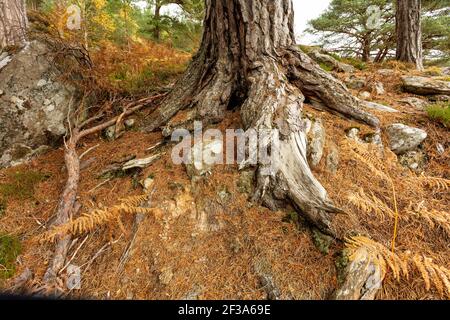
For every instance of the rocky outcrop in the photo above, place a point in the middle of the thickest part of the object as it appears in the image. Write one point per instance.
(425, 86)
(403, 138)
(416, 103)
(332, 62)
(355, 83)
(33, 103)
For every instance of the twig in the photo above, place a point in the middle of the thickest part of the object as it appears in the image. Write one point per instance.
(137, 221)
(66, 207)
(88, 150)
(99, 185)
(74, 254)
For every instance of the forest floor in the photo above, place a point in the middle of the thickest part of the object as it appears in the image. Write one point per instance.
(208, 240)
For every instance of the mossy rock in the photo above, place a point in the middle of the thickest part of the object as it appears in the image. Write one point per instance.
(10, 248)
(321, 241)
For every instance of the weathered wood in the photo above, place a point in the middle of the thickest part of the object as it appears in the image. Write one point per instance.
(248, 59)
(409, 32)
(13, 23)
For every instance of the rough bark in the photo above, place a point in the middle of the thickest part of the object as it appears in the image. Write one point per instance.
(248, 59)
(409, 32)
(13, 23)
(157, 29)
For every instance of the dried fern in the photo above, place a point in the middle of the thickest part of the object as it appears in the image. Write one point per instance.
(370, 204)
(431, 273)
(88, 222)
(363, 154)
(439, 184)
(434, 218)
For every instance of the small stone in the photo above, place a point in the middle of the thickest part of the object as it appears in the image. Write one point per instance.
(110, 133)
(440, 148)
(365, 95)
(129, 123)
(379, 88)
(147, 183)
(386, 72)
(1, 92)
(355, 83)
(403, 138)
(41, 83)
(353, 133)
(425, 86)
(416, 103)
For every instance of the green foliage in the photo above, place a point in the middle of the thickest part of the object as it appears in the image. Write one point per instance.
(21, 185)
(9, 250)
(351, 33)
(326, 67)
(440, 112)
(357, 63)
(352, 37)
(321, 241)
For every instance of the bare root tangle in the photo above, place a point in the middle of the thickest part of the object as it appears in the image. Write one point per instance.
(67, 203)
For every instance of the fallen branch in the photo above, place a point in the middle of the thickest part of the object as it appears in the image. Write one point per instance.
(66, 207)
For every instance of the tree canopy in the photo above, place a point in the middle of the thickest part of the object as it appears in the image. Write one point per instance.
(355, 34)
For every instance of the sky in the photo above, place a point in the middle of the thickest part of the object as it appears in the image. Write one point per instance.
(304, 11)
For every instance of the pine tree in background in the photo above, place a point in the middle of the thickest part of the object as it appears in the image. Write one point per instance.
(409, 32)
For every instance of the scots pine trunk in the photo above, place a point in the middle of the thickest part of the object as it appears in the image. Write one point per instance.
(13, 22)
(248, 60)
(157, 18)
(409, 32)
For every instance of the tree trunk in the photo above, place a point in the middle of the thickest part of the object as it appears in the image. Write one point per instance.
(409, 32)
(248, 60)
(366, 50)
(157, 18)
(13, 23)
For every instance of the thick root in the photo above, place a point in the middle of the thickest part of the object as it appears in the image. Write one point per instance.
(273, 103)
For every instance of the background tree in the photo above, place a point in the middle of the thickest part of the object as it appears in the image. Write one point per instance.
(248, 60)
(13, 22)
(191, 15)
(351, 36)
(409, 32)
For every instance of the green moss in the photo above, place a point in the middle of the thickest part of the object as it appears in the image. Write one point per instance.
(21, 185)
(440, 112)
(9, 250)
(341, 264)
(358, 64)
(321, 241)
(326, 67)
